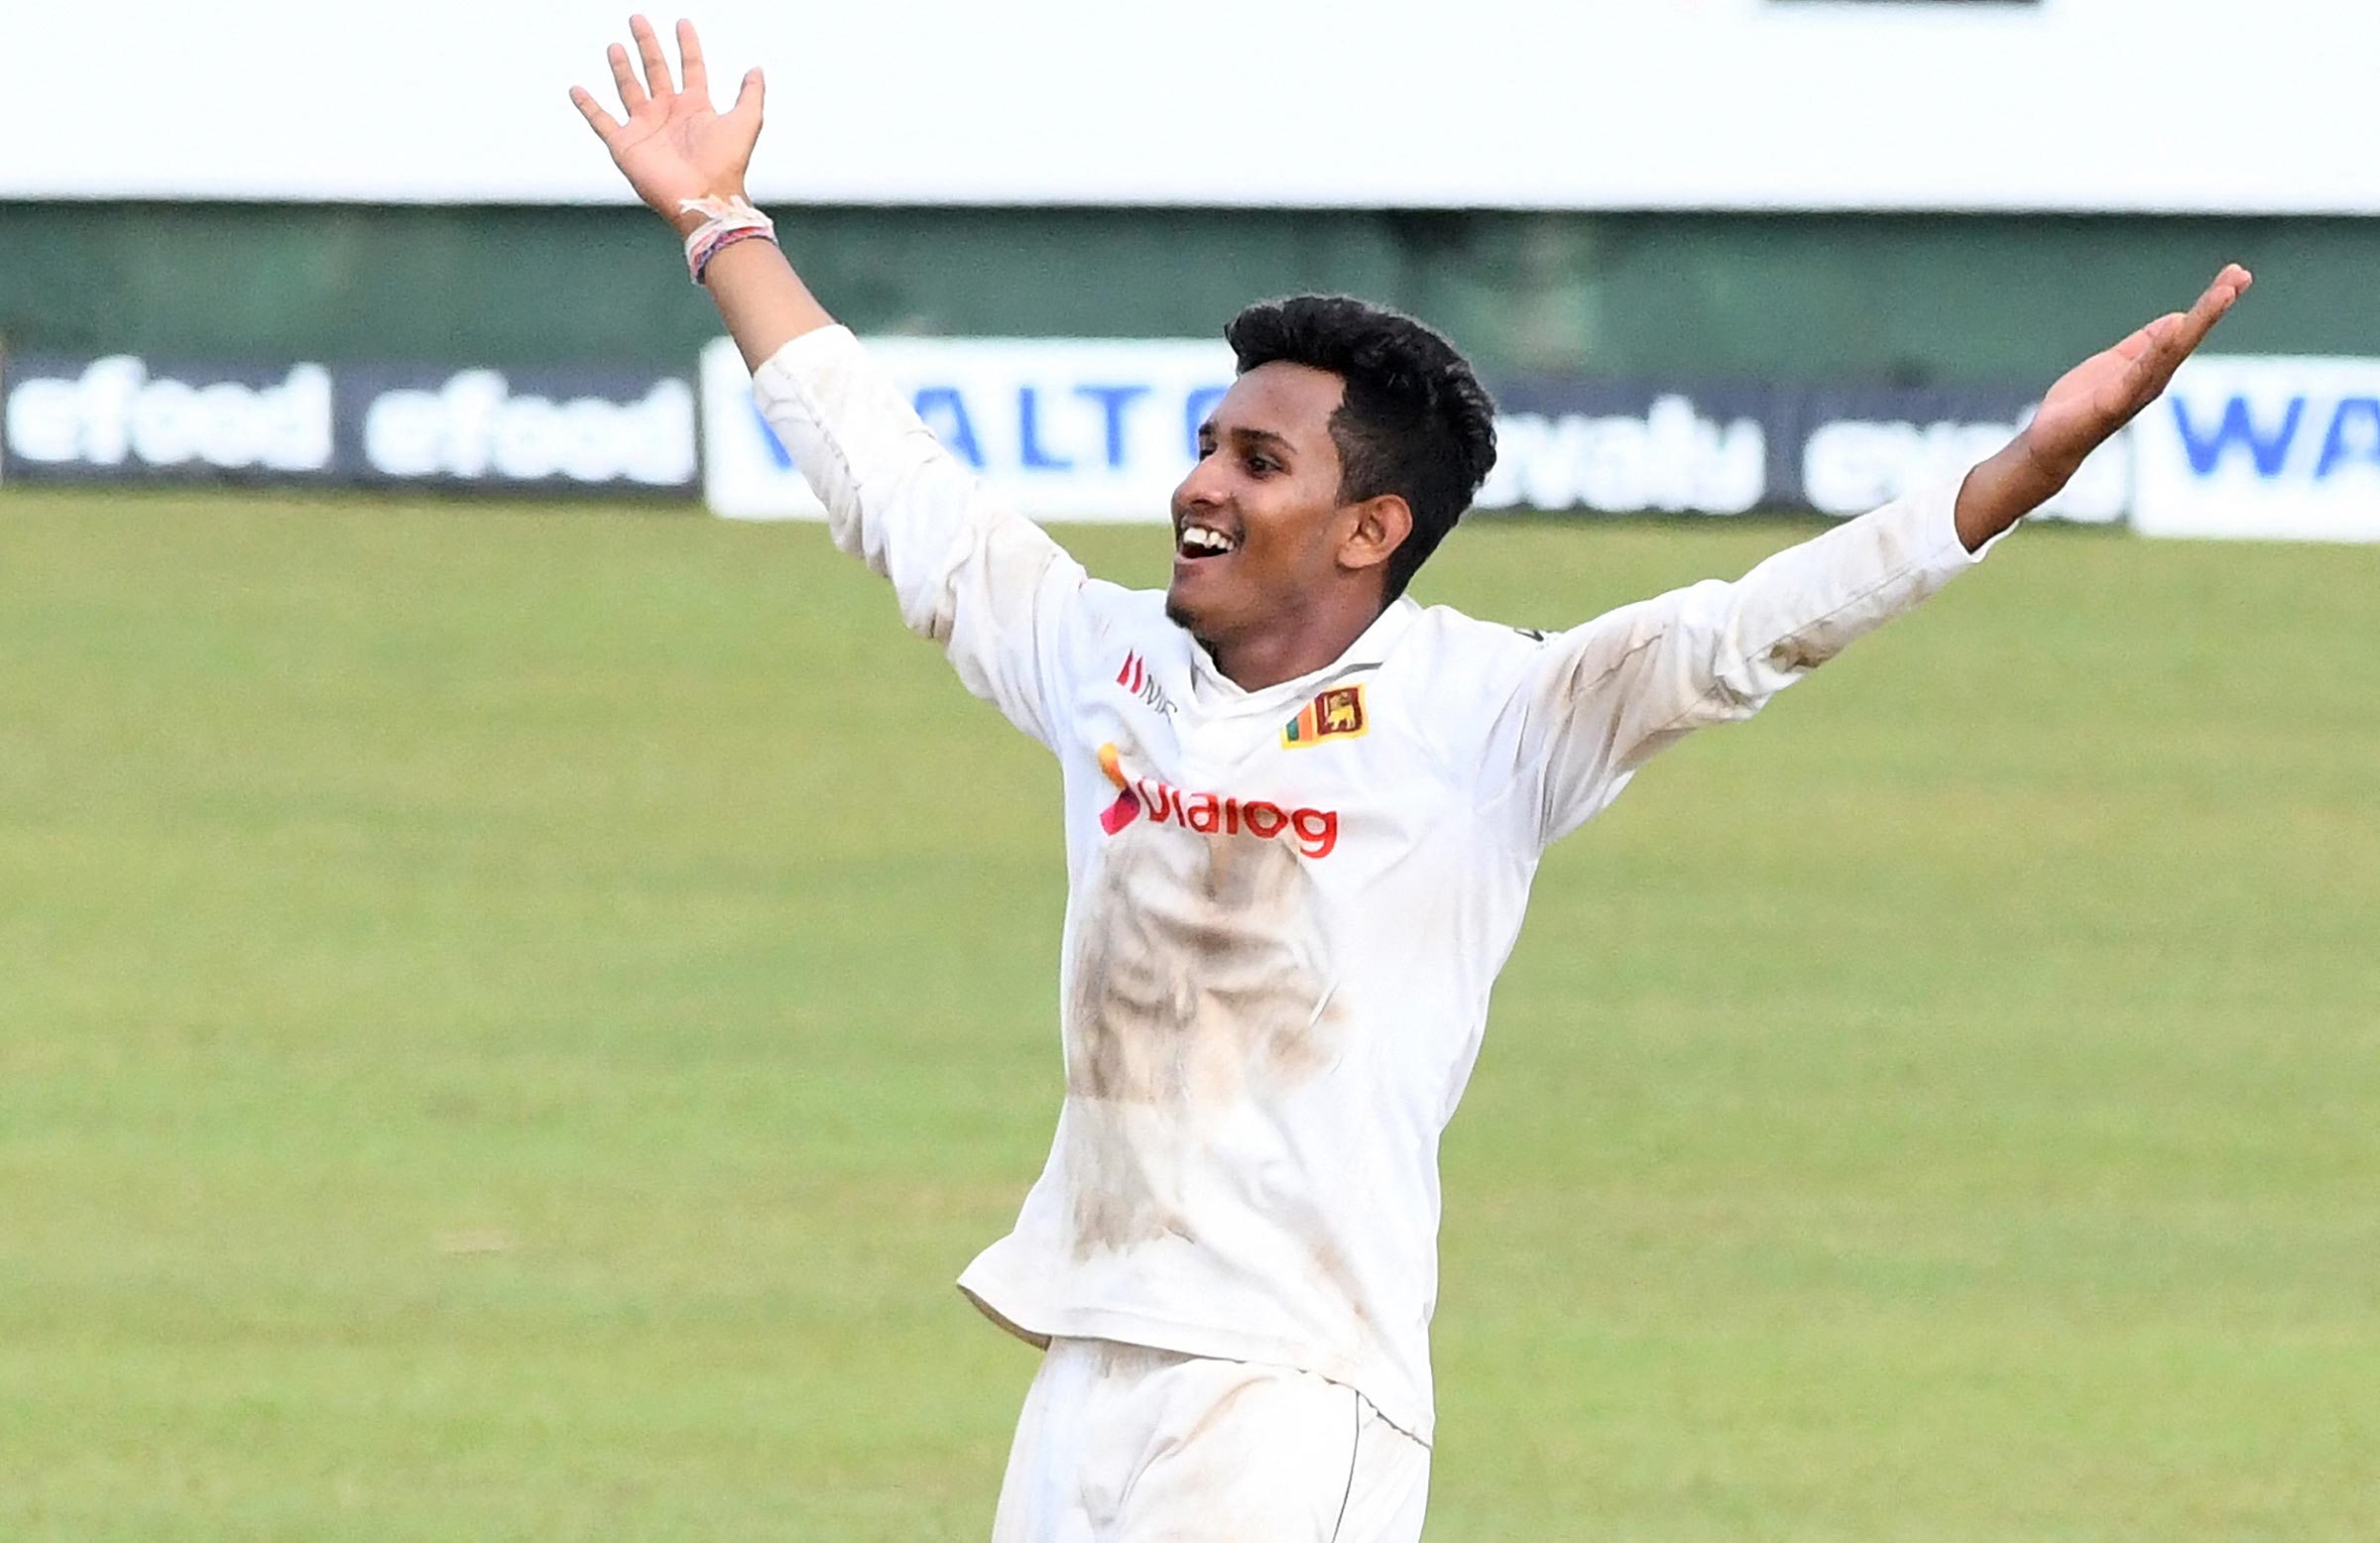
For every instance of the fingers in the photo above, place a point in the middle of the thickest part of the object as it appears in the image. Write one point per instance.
(631, 91)
(747, 100)
(2173, 338)
(656, 64)
(2220, 297)
(604, 125)
(2136, 347)
(2154, 365)
(689, 56)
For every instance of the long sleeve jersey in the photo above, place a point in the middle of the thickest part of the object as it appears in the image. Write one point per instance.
(1286, 906)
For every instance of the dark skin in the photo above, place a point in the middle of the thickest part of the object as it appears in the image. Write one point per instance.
(1310, 571)
(1309, 574)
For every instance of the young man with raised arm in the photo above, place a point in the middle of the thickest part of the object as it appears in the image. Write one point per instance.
(1302, 814)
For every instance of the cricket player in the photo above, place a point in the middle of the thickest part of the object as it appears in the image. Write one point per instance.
(1302, 813)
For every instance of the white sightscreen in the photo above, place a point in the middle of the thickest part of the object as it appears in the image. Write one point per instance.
(1587, 104)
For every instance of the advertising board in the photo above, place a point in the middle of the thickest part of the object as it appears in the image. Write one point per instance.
(2264, 449)
(1858, 447)
(567, 432)
(123, 418)
(1104, 429)
(1061, 430)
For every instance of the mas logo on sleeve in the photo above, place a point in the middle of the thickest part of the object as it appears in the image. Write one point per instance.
(1135, 677)
(1337, 714)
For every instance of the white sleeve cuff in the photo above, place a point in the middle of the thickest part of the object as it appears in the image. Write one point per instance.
(775, 379)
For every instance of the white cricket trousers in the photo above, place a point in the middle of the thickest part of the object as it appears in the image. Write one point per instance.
(1123, 1444)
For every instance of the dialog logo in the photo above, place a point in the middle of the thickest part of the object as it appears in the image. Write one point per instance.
(1315, 831)
(1126, 807)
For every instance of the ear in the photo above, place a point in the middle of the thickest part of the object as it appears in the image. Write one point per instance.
(1378, 527)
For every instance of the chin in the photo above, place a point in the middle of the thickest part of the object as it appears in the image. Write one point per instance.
(1189, 618)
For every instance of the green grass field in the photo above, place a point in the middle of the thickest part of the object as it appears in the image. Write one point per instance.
(510, 1021)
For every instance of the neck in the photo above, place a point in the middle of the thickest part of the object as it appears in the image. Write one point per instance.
(1296, 645)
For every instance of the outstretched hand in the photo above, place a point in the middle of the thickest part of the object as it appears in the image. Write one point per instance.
(672, 146)
(2086, 409)
(2100, 395)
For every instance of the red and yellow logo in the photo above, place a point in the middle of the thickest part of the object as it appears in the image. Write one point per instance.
(1337, 714)
(1316, 831)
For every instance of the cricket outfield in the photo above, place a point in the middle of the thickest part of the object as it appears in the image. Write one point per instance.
(510, 1021)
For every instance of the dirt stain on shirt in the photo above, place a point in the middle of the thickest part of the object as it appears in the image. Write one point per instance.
(1200, 981)
(1200, 972)
(1330, 1264)
(1802, 653)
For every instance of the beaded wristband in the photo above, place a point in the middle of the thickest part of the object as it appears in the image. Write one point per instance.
(726, 221)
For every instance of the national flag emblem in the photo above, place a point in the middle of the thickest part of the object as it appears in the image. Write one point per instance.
(1337, 714)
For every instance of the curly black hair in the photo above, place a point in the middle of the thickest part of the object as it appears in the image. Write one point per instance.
(1414, 421)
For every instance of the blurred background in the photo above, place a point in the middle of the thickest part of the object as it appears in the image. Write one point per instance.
(518, 994)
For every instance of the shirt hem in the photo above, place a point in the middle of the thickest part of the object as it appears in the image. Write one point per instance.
(1386, 1392)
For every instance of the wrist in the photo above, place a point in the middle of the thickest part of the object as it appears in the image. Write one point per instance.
(686, 221)
(2044, 469)
(2001, 489)
(726, 222)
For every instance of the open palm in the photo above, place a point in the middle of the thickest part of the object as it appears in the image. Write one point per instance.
(673, 147)
(2106, 392)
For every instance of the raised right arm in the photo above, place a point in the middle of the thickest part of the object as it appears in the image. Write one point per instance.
(678, 154)
(983, 581)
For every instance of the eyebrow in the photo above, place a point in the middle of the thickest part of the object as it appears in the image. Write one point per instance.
(1261, 437)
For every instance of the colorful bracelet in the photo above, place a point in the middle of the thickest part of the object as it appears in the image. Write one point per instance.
(726, 221)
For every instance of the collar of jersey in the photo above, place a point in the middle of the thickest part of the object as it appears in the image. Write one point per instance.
(1217, 692)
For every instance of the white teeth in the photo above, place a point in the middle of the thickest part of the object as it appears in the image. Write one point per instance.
(1200, 539)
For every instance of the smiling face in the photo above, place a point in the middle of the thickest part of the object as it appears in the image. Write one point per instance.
(1259, 533)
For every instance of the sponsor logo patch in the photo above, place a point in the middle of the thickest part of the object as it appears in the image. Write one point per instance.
(1315, 831)
(1337, 714)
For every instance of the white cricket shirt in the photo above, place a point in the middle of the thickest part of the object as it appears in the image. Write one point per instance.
(1286, 907)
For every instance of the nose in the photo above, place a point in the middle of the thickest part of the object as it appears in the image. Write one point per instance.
(1203, 488)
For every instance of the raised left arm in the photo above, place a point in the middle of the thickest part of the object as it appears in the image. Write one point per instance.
(2084, 409)
(1599, 700)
